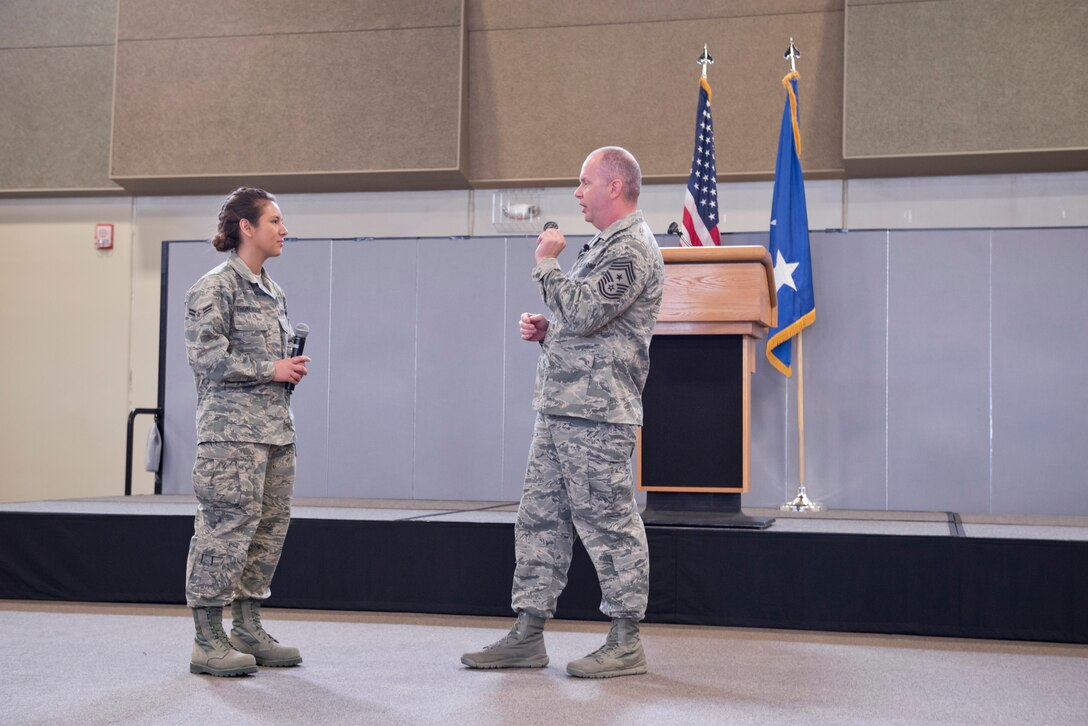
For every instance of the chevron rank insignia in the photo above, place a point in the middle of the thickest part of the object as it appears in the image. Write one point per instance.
(616, 279)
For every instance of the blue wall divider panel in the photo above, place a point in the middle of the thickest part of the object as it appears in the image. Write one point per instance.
(945, 370)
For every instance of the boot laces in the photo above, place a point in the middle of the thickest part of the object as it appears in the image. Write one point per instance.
(505, 640)
(612, 648)
(606, 651)
(265, 635)
(257, 631)
(218, 635)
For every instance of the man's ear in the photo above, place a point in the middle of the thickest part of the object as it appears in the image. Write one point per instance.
(615, 188)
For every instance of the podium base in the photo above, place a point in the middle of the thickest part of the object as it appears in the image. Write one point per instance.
(685, 509)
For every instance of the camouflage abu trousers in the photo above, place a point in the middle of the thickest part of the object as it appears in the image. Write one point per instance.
(579, 479)
(243, 492)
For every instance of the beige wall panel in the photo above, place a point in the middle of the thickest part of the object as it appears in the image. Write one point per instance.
(541, 98)
(289, 104)
(507, 15)
(957, 78)
(51, 23)
(55, 119)
(64, 307)
(160, 19)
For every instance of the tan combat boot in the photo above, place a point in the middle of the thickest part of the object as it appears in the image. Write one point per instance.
(212, 651)
(522, 647)
(621, 654)
(248, 636)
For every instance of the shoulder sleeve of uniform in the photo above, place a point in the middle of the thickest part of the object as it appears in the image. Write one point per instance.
(208, 296)
(588, 303)
(209, 312)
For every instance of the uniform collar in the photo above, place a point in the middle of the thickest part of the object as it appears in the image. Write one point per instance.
(619, 225)
(616, 227)
(261, 281)
(243, 269)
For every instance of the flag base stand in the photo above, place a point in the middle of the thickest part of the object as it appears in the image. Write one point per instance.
(697, 509)
(801, 503)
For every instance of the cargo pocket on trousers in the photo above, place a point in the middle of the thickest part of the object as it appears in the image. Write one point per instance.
(215, 481)
(610, 485)
(610, 480)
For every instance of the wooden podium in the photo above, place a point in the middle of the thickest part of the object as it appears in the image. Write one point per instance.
(694, 447)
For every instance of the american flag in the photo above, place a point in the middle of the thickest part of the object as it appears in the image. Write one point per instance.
(701, 198)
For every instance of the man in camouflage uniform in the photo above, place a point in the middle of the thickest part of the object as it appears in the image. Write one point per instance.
(236, 338)
(588, 398)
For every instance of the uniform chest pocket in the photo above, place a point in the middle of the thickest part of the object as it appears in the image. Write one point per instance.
(253, 331)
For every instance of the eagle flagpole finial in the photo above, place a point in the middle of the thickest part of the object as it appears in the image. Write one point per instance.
(705, 60)
(792, 54)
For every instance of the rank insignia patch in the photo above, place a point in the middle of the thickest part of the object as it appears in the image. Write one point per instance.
(198, 314)
(616, 280)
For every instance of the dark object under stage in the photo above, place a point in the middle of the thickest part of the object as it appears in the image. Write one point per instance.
(1018, 589)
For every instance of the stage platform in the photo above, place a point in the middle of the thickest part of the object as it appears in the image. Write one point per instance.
(923, 573)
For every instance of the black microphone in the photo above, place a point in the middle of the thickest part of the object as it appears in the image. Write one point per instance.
(301, 331)
(674, 228)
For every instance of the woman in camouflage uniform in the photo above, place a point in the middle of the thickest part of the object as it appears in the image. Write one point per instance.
(236, 338)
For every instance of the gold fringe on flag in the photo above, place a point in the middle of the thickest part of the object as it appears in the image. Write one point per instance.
(785, 334)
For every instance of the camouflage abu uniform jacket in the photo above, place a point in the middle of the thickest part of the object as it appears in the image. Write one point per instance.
(236, 327)
(596, 353)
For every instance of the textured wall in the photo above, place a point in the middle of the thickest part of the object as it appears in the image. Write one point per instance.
(160, 97)
(315, 97)
(56, 76)
(955, 86)
(550, 82)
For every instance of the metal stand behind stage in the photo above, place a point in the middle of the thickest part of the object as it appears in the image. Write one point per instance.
(801, 503)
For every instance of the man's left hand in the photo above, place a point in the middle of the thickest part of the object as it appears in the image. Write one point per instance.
(550, 243)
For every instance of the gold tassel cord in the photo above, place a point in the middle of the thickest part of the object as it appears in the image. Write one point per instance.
(793, 75)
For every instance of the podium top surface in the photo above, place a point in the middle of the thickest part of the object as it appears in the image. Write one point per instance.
(729, 253)
(719, 284)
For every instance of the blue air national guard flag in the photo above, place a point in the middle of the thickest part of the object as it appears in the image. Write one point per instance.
(701, 198)
(789, 239)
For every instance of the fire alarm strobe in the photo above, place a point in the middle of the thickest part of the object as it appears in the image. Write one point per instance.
(103, 236)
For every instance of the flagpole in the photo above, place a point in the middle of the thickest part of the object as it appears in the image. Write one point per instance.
(801, 409)
(801, 502)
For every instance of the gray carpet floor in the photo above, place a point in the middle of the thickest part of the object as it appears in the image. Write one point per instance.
(102, 664)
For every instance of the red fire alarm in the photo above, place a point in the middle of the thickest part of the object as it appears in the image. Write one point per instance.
(103, 236)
